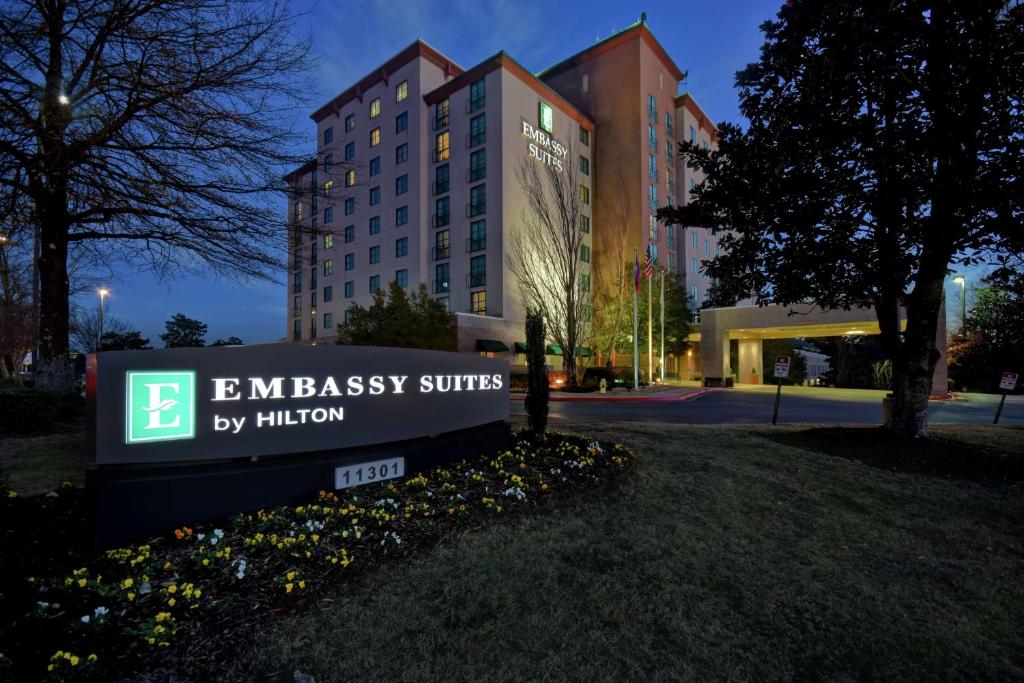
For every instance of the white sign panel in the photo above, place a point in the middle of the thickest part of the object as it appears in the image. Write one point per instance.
(781, 366)
(1009, 381)
(368, 472)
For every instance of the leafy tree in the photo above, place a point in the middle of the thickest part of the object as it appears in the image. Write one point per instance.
(130, 340)
(994, 342)
(770, 349)
(183, 331)
(396, 318)
(537, 388)
(885, 143)
(230, 341)
(146, 132)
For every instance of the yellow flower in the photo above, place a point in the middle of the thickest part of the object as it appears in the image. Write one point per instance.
(151, 640)
(127, 583)
(91, 659)
(171, 602)
(290, 575)
(206, 562)
(131, 596)
(172, 589)
(288, 588)
(74, 660)
(163, 616)
(197, 593)
(302, 584)
(82, 582)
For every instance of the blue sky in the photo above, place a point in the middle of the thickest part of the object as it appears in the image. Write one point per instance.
(711, 41)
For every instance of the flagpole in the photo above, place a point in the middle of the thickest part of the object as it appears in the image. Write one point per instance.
(650, 330)
(661, 358)
(636, 341)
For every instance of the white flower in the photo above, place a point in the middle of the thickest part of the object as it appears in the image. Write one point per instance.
(100, 611)
(43, 605)
(85, 618)
(214, 539)
(200, 537)
(515, 492)
(594, 445)
(144, 588)
(219, 533)
(241, 569)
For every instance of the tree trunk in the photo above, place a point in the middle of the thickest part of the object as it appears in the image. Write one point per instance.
(55, 370)
(915, 362)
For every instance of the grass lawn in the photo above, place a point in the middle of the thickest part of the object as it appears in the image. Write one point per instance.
(729, 553)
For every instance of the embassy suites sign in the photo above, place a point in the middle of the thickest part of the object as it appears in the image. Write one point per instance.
(541, 145)
(177, 405)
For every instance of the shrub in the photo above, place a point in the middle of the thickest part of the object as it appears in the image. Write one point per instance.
(28, 410)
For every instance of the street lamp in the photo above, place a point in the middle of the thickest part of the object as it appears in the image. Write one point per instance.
(962, 281)
(103, 292)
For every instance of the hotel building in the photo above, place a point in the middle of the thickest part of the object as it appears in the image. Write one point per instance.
(415, 180)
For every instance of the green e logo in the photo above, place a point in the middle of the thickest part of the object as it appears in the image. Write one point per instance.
(160, 406)
(546, 116)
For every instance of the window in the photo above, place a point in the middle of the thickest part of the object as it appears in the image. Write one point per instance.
(693, 135)
(584, 194)
(445, 301)
(327, 187)
(652, 108)
(478, 271)
(669, 181)
(402, 153)
(441, 114)
(693, 266)
(297, 304)
(707, 248)
(704, 144)
(441, 272)
(297, 329)
(401, 91)
(693, 240)
(312, 301)
(478, 302)
(297, 212)
(652, 167)
(328, 214)
(348, 316)
(653, 230)
(442, 179)
(328, 294)
(328, 241)
(477, 200)
(477, 165)
(477, 95)
(374, 166)
(477, 235)
(328, 135)
(350, 123)
(402, 122)
(586, 82)
(375, 137)
(350, 261)
(442, 214)
(694, 293)
(328, 162)
(312, 278)
(671, 235)
(477, 130)
(375, 254)
(584, 165)
(441, 152)
(375, 225)
(312, 252)
(297, 282)
(350, 178)
(585, 224)
(402, 278)
(584, 136)
(401, 215)
(401, 247)
(328, 321)
(374, 284)
(652, 138)
(350, 151)
(652, 197)
(350, 233)
(350, 290)
(402, 184)
(668, 124)
(375, 195)
(442, 245)
(584, 282)
(374, 107)
(328, 267)
(584, 253)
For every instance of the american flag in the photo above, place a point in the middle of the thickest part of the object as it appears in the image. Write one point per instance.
(636, 273)
(649, 263)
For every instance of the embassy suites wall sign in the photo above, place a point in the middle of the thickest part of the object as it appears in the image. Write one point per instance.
(176, 405)
(541, 145)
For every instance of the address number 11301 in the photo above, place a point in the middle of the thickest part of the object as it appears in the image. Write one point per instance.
(368, 472)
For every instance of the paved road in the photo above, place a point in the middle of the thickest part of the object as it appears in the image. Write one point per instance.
(799, 405)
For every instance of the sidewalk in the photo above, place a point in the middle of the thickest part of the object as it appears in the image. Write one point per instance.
(650, 394)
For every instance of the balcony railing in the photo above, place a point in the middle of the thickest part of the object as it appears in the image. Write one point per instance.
(476, 244)
(476, 209)
(439, 286)
(438, 253)
(474, 173)
(476, 279)
(440, 219)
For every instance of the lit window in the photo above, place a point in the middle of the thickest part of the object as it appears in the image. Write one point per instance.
(401, 247)
(374, 284)
(441, 151)
(350, 178)
(402, 122)
(478, 302)
(328, 135)
(328, 267)
(375, 254)
(298, 211)
(402, 278)
(328, 241)
(401, 91)
(375, 137)
(375, 107)
(584, 194)
(327, 187)
(442, 245)
(375, 225)
(350, 123)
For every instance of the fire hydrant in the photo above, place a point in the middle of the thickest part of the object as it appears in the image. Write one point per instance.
(604, 385)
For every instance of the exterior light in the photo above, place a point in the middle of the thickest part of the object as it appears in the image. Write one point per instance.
(63, 99)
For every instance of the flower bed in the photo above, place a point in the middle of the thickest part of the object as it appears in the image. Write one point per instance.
(110, 614)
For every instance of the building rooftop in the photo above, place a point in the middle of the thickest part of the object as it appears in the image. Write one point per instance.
(635, 31)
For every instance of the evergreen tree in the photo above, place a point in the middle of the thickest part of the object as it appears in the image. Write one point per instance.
(396, 318)
(183, 331)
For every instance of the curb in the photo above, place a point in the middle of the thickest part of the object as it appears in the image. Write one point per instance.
(624, 399)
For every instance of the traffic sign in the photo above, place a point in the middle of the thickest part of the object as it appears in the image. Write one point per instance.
(781, 366)
(1009, 381)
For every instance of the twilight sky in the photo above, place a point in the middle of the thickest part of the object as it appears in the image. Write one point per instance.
(709, 40)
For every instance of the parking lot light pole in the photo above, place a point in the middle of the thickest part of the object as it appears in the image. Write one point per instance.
(103, 292)
(962, 281)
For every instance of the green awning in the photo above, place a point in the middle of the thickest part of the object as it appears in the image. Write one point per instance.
(521, 347)
(491, 345)
(585, 352)
(554, 350)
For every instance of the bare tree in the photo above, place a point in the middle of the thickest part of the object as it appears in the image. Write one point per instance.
(17, 331)
(87, 330)
(613, 276)
(147, 131)
(545, 255)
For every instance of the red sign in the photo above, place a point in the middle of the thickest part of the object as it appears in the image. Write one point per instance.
(1009, 381)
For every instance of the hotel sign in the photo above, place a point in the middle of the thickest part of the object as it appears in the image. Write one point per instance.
(541, 145)
(216, 403)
